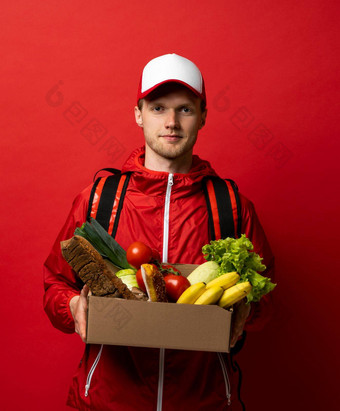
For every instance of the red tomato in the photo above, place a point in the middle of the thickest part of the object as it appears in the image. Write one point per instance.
(166, 269)
(138, 253)
(175, 285)
(140, 280)
(155, 255)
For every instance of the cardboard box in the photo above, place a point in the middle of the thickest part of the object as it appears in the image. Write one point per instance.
(116, 321)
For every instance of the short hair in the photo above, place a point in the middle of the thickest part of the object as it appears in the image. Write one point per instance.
(203, 105)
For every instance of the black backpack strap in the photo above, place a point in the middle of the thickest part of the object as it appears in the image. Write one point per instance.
(110, 170)
(224, 208)
(106, 199)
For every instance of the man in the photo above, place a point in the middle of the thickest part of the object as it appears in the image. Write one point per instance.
(165, 208)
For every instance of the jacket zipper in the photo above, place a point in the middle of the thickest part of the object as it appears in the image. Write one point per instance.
(225, 376)
(166, 218)
(165, 260)
(160, 379)
(89, 376)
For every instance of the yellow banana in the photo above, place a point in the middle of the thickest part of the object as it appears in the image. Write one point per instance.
(225, 280)
(190, 295)
(234, 294)
(210, 296)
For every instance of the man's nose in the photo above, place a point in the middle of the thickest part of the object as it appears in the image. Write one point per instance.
(171, 120)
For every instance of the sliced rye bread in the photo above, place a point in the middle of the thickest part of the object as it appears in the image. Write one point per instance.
(91, 267)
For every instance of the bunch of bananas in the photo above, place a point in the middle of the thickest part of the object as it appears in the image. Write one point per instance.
(223, 291)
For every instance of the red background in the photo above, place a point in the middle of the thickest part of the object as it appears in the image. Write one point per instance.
(271, 71)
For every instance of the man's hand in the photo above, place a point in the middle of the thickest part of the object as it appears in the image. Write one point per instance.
(240, 314)
(78, 307)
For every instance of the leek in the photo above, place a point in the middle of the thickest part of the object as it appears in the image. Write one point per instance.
(101, 240)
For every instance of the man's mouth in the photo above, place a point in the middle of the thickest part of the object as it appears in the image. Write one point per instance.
(171, 137)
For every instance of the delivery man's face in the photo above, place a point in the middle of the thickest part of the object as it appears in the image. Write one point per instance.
(171, 118)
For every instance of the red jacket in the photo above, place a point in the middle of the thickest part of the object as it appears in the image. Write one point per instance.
(127, 378)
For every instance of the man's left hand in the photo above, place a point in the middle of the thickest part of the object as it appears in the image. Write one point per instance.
(240, 314)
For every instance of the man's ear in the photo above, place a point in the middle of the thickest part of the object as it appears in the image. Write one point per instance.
(203, 118)
(138, 117)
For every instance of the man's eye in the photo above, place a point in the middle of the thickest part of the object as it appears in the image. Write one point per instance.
(157, 108)
(186, 110)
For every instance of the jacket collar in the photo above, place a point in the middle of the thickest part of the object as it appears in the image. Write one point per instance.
(154, 182)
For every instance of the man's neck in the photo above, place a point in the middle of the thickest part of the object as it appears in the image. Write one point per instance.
(158, 163)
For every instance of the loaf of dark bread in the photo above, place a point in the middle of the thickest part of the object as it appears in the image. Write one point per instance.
(85, 260)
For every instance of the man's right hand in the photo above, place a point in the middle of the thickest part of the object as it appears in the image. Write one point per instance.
(78, 307)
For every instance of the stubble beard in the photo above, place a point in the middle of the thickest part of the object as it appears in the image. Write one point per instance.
(170, 151)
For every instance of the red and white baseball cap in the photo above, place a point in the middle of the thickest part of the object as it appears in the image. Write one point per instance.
(171, 68)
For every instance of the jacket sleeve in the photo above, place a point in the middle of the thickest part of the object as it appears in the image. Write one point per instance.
(261, 311)
(60, 281)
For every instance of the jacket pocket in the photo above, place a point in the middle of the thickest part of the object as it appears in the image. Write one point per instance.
(90, 374)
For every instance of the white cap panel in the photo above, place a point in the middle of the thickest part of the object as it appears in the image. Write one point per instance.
(171, 67)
